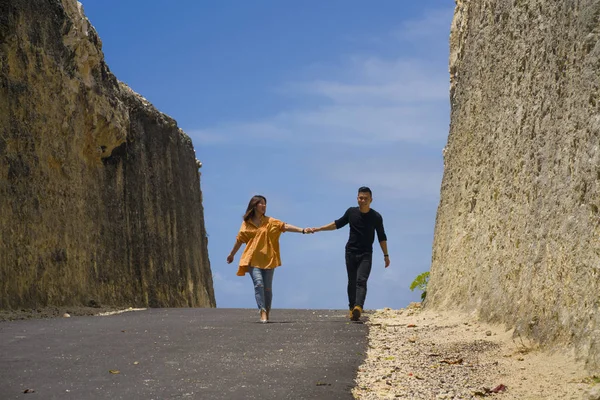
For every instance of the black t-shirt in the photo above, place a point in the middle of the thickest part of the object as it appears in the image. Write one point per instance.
(362, 229)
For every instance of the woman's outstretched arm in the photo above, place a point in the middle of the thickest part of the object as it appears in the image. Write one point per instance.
(292, 228)
(231, 255)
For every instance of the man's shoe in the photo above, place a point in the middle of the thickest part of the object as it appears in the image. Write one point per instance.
(350, 314)
(356, 311)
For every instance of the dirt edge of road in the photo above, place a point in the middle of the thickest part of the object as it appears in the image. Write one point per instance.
(415, 353)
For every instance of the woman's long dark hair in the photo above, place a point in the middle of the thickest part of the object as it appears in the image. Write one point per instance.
(252, 204)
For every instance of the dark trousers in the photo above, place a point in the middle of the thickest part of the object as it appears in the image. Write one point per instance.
(358, 266)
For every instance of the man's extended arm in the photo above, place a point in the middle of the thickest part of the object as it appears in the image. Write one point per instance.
(328, 227)
(386, 257)
(337, 224)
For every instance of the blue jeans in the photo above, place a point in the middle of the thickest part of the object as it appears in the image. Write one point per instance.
(263, 285)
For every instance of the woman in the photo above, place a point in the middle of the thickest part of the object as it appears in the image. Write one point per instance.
(261, 255)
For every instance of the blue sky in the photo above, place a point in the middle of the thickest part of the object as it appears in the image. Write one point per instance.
(302, 102)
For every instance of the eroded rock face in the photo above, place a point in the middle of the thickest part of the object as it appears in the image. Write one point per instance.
(100, 200)
(517, 234)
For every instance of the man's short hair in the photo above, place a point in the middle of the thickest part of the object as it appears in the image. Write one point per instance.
(364, 189)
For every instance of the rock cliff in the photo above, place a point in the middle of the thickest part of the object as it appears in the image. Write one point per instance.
(100, 199)
(517, 236)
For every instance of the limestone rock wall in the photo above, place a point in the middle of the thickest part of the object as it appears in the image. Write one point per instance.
(517, 236)
(100, 199)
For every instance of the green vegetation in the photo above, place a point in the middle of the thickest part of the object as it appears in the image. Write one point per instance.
(592, 380)
(420, 283)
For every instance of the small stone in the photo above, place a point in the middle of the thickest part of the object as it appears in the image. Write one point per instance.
(593, 393)
(488, 333)
(66, 315)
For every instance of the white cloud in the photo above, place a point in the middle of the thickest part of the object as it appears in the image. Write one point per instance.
(254, 130)
(432, 24)
(392, 184)
(205, 137)
(366, 80)
(381, 102)
(363, 99)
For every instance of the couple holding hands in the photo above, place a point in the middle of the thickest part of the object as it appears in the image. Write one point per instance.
(261, 256)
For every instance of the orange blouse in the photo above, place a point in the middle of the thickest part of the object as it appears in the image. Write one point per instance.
(262, 244)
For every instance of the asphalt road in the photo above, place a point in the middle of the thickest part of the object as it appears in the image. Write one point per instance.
(183, 354)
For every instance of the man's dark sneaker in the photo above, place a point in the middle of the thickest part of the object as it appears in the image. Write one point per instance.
(356, 311)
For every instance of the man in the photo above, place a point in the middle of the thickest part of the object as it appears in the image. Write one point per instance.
(364, 222)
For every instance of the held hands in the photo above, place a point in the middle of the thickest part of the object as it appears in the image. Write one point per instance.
(310, 230)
